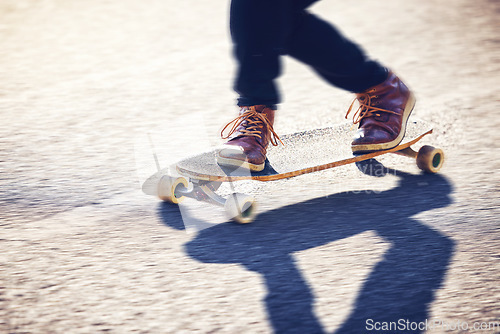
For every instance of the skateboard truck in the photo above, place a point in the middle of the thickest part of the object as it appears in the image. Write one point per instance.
(239, 207)
(173, 189)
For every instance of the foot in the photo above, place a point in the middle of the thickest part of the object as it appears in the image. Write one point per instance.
(382, 115)
(249, 137)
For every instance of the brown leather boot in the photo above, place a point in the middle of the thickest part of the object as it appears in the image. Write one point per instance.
(382, 115)
(250, 134)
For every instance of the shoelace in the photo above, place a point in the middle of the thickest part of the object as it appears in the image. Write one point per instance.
(255, 121)
(365, 108)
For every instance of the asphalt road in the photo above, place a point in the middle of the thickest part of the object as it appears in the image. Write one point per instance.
(83, 250)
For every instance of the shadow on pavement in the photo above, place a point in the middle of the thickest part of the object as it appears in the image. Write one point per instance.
(401, 285)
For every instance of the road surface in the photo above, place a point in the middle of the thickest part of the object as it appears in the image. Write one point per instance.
(85, 251)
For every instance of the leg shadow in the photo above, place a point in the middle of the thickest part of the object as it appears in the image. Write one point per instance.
(401, 286)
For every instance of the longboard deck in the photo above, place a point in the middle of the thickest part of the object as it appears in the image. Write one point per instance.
(302, 153)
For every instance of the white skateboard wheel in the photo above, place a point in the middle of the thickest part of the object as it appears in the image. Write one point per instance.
(241, 208)
(167, 188)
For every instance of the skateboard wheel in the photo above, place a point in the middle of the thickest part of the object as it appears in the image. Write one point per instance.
(167, 188)
(241, 208)
(430, 159)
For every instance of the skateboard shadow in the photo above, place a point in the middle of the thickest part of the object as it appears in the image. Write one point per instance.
(235, 171)
(401, 286)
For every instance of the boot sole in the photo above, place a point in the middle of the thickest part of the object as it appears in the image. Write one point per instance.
(240, 164)
(228, 162)
(364, 148)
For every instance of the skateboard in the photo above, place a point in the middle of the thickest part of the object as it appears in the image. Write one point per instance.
(305, 152)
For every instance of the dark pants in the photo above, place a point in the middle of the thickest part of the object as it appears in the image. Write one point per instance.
(264, 30)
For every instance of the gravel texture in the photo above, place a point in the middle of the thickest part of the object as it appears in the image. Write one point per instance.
(84, 251)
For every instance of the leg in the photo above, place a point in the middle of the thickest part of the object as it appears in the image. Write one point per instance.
(385, 102)
(339, 61)
(260, 30)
